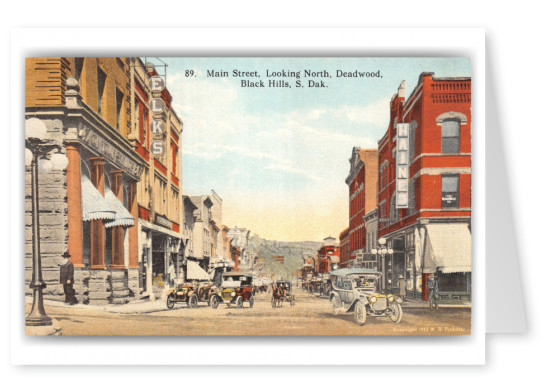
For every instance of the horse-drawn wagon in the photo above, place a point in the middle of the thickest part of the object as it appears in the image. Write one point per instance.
(282, 291)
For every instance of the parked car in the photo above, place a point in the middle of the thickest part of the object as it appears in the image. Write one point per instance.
(355, 289)
(183, 293)
(236, 288)
(191, 293)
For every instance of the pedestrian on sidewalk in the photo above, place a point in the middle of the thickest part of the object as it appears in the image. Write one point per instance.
(171, 274)
(402, 287)
(66, 277)
(432, 286)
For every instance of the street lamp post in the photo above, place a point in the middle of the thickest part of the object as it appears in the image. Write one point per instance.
(382, 250)
(37, 149)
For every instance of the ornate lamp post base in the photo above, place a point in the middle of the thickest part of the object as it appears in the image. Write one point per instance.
(37, 316)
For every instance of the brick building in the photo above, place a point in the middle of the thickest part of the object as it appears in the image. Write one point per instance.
(362, 191)
(328, 255)
(344, 249)
(161, 247)
(90, 211)
(424, 200)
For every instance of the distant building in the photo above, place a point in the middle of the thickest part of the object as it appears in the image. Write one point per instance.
(201, 251)
(279, 259)
(328, 255)
(344, 249)
(362, 192)
(309, 267)
(369, 260)
(240, 238)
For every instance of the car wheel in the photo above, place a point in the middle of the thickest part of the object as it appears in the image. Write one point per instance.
(360, 313)
(396, 315)
(239, 302)
(336, 304)
(170, 301)
(251, 302)
(193, 301)
(214, 301)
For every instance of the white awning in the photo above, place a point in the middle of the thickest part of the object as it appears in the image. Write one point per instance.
(94, 205)
(123, 217)
(448, 248)
(196, 272)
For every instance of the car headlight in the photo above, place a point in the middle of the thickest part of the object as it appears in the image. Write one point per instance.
(233, 293)
(390, 298)
(372, 299)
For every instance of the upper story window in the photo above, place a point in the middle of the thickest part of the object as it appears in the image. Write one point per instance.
(450, 191)
(144, 126)
(79, 64)
(450, 136)
(118, 99)
(102, 77)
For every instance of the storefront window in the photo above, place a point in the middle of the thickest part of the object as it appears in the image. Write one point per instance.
(108, 246)
(86, 243)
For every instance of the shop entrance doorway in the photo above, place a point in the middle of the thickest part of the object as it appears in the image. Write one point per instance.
(158, 262)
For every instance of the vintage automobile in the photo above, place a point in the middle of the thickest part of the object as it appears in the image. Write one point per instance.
(183, 293)
(236, 288)
(191, 293)
(355, 289)
(281, 291)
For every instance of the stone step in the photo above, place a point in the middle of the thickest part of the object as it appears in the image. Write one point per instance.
(118, 285)
(119, 300)
(99, 295)
(120, 293)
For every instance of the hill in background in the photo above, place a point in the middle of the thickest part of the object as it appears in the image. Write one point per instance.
(292, 253)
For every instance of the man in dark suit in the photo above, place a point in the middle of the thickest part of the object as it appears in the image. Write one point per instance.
(66, 277)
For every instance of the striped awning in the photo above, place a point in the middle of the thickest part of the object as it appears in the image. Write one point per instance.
(195, 272)
(123, 218)
(94, 206)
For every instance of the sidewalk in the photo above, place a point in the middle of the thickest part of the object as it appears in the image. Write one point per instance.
(137, 307)
(417, 303)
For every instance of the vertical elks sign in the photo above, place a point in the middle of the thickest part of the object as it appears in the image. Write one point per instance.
(402, 165)
(157, 127)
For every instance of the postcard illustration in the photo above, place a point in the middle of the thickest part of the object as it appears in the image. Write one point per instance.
(247, 196)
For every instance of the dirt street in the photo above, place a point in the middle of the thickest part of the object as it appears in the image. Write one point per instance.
(310, 316)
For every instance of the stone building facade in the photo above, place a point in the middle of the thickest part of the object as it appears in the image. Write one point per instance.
(88, 211)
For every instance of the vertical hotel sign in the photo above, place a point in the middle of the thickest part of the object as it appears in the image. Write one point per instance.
(402, 165)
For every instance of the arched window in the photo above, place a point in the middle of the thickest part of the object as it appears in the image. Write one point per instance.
(451, 122)
(451, 136)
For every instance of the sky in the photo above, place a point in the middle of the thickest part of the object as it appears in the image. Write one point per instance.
(278, 157)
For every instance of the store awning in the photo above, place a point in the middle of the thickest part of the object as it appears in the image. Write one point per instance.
(123, 218)
(196, 272)
(448, 248)
(94, 205)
